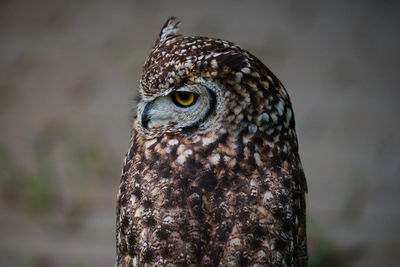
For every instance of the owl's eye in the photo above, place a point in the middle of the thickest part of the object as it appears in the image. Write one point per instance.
(183, 99)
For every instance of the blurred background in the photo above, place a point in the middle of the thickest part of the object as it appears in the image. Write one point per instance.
(69, 71)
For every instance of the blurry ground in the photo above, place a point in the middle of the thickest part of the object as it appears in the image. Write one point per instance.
(68, 72)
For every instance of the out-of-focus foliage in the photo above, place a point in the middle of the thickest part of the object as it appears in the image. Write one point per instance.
(60, 152)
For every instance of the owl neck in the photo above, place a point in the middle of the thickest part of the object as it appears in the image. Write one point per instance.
(252, 150)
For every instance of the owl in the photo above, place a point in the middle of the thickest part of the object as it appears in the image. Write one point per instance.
(213, 175)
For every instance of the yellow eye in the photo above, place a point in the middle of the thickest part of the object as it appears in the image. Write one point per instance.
(183, 99)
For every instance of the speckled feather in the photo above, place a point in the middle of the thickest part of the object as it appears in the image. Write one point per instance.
(229, 191)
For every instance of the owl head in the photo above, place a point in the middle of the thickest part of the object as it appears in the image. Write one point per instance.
(194, 85)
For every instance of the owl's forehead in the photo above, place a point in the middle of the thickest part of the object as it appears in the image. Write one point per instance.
(181, 59)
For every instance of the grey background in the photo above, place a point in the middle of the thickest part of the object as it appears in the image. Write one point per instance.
(69, 72)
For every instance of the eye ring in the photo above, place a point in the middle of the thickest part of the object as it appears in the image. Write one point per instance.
(183, 99)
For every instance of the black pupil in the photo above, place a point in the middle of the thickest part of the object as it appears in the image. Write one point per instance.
(184, 96)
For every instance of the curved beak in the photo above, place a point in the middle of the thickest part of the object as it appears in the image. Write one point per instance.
(145, 118)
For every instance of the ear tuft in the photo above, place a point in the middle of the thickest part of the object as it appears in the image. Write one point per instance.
(169, 29)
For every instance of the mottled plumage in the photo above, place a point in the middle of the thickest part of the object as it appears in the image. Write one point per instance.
(218, 182)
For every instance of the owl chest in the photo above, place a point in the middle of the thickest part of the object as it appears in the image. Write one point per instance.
(201, 196)
(196, 208)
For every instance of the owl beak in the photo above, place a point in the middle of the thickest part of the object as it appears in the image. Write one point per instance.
(145, 116)
(153, 115)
